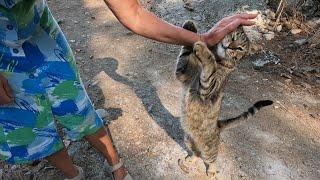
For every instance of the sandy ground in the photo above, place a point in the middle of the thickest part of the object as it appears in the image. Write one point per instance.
(135, 83)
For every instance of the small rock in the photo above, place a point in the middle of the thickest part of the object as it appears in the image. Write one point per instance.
(78, 50)
(295, 31)
(138, 143)
(270, 14)
(61, 21)
(279, 28)
(287, 81)
(306, 85)
(92, 84)
(301, 42)
(197, 18)
(309, 69)
(258, 64)
(269, 36)
(314, 22)
(285, 75)
(313, 116)
(188, 5)
(102, 113)
(66, 143)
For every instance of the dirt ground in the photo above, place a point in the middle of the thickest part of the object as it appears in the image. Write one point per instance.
(132, 77)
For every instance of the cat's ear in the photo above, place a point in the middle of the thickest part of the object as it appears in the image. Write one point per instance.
(254, 48)
(189, 25)
(254, 40)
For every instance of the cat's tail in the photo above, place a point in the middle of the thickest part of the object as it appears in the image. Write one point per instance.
(247, 114)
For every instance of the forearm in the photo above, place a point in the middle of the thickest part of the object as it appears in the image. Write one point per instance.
(150, 26)
(145, 23)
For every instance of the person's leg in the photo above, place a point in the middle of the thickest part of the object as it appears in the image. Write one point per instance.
(103, 143)
(62, 161)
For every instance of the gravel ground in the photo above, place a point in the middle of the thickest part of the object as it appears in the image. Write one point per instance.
(135, 83)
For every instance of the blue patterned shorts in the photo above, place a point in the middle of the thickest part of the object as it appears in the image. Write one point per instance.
(40, 67)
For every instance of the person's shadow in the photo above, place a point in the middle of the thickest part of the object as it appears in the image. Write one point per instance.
(146, 92)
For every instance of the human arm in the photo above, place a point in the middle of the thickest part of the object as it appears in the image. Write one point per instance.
(141, 21)
(6, 95)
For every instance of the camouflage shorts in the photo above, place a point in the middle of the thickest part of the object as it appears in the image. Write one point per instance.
(42, 73)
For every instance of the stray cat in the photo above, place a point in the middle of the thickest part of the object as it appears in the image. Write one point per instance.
(204, 73)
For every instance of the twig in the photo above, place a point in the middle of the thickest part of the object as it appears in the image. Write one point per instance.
(279, 12)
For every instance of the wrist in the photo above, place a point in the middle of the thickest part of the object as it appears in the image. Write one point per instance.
(204, 38)
(209, 40)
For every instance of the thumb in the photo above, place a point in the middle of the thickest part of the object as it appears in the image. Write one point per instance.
(8, 89)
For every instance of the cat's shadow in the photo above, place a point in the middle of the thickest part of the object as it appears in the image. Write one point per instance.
(147, 93)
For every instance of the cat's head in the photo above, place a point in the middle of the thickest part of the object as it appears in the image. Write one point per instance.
(233, 47)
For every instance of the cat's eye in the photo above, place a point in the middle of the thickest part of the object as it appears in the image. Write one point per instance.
(239, 48)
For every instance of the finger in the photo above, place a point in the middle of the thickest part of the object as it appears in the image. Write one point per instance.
(243, 16)
(4, 99)
(246, 16)
(232, 26)
(8, 89)
(247, 23)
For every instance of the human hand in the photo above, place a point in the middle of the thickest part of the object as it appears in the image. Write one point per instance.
(6, 95)
(226, 26)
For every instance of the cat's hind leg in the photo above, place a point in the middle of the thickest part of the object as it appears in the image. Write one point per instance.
(210, 153)
(188, 164)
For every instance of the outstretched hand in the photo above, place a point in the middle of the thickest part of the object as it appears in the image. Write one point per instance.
(226, 26)
(6, 95)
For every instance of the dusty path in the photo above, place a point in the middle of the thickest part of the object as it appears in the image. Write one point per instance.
(136, 85)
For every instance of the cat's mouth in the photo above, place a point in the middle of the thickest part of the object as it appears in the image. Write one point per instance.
(221, 51)
(222, 57)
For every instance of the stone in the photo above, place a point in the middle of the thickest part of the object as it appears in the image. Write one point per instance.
(279, 28)
(269, 36)
(258, 64)
(285, 76)
(188, 5)
(270, 14)
(295, 31)
(197, 18)
(102, 113)
(301, 42)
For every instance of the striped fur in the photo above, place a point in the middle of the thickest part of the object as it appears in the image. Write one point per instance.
(204, 73)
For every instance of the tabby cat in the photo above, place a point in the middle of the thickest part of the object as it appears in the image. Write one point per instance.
(204, 73)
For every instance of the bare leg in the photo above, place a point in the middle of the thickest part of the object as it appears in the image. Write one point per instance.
(62, 161)
(103, 143)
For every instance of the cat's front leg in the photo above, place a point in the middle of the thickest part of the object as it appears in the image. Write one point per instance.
(204, 54)
(183, 70)
(209, 79)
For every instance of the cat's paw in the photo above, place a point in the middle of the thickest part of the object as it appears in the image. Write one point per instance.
(199, 48)
(188, 164)
(211, 170)
(202, 52)
(189, 25)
